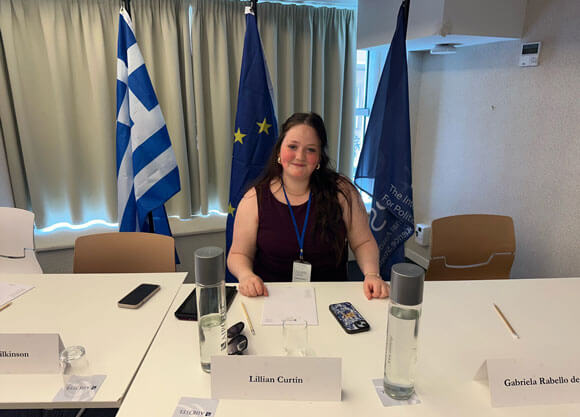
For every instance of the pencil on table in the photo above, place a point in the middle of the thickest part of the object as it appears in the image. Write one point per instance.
(506, 322)
(5, 306)
(248, 319)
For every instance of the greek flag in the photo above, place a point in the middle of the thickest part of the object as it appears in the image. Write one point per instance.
(256, 129)
(384, 168)
(147, 174)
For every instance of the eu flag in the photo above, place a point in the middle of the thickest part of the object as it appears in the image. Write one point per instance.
(384, 168)
(147, 173)
(255, 131)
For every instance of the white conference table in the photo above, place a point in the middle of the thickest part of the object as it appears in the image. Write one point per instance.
(459, 330)
(83, 309)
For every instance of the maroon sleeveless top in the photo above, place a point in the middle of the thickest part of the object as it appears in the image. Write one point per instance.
(277, 244)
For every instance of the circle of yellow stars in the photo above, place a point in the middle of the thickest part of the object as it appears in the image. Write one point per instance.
(263, 127)
(239, 137)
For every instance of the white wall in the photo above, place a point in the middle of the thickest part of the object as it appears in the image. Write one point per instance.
(491, 137)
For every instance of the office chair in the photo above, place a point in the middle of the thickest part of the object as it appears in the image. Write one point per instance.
(124, 252)
(17, 242)
(471, 246)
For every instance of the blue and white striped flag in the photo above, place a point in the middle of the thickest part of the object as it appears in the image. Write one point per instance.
(147, 173)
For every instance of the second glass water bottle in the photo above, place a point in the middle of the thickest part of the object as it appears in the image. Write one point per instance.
(211, 303)
(404, 312)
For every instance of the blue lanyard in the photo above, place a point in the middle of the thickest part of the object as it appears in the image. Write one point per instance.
(300, 238)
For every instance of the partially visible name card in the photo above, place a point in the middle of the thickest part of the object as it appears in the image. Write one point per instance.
(80, 388)
(531, 381)
(30, 353)
(196, 407)
(276, 378)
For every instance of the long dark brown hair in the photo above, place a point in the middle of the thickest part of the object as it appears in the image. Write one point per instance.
(325, 183)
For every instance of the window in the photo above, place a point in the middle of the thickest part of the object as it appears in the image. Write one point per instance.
(362, 110)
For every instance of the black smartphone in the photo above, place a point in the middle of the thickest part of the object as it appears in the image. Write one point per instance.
(349, 318)
(138, 296)
(188, 309)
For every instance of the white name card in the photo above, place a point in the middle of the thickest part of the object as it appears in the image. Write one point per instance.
(30, 353)
(531, 381)
(276, 378)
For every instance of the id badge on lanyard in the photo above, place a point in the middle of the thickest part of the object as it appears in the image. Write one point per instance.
(301, 269)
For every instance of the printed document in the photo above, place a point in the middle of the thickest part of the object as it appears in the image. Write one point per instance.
(9, 292)
(288, 303)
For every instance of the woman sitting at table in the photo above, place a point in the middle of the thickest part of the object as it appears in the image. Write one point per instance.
(295, 222)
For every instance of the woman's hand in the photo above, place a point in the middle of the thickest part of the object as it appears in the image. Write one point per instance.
(375, 287)
(252, 285)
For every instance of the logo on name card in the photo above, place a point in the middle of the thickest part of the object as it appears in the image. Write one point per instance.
(184, 412)
(80, 388)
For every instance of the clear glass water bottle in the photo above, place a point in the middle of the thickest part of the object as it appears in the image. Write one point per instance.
(211, 303)
(404, 311)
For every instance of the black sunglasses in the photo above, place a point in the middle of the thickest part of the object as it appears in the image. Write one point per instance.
(237, 342)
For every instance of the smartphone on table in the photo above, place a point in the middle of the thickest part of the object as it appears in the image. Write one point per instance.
(188, 309)
(138, 296)
(349, 318)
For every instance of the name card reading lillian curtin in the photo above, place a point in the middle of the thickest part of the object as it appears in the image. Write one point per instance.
(30, 353)
(276, 378)
(530, 381)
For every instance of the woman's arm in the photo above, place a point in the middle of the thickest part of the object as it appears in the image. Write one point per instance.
(362, 242)
(243, 249)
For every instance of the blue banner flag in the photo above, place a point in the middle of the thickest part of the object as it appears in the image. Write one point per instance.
(384, 167)
(147, 174)
(256, 129)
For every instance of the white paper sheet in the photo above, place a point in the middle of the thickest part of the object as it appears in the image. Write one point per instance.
(9, 291)
(289, 302)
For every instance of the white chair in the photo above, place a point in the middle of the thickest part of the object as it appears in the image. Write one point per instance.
(17, 242)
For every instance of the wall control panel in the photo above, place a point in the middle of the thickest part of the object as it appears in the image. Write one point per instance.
(530, 54)
(423, 234)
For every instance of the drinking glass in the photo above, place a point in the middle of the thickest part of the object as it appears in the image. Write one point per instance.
(73, 361)
(295, 337)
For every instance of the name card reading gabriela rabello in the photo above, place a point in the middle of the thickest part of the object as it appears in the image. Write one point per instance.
(276, 378)
(532, 381)
(30, 353)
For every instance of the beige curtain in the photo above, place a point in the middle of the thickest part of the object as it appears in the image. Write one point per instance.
(58, 79)
(310, 53)
(162, 31)
(59, 129)
(61, 66)
(8, 125)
